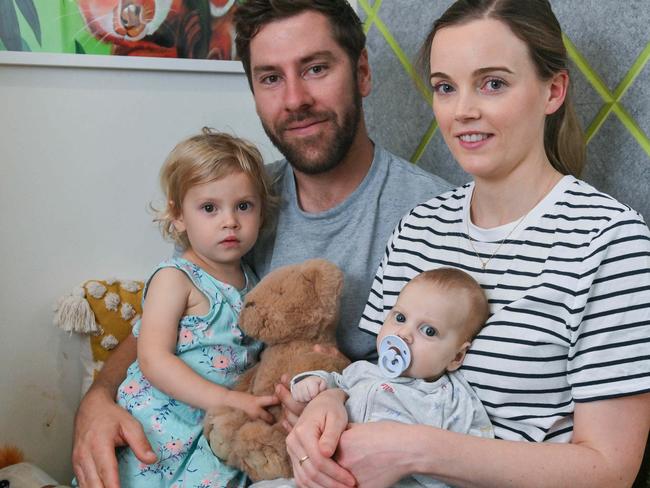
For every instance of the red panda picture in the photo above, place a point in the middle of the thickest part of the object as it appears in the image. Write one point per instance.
(199, 29)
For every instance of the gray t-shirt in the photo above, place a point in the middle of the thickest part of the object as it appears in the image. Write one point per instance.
(352, 235)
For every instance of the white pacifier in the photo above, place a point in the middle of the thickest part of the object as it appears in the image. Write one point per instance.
(394, 356)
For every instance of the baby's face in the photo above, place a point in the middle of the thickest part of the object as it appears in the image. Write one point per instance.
(432, 322)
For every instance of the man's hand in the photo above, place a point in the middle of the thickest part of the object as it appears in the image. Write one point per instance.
(100, 426)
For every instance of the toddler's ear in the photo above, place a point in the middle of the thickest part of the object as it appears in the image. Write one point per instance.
(178, 223)
(460, 356)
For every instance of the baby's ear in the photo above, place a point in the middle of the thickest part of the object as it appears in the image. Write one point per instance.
(460, 356)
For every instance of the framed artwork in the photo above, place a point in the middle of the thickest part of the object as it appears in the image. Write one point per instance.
(186, 35)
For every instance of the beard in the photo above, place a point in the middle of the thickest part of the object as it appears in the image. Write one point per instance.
(322, 152)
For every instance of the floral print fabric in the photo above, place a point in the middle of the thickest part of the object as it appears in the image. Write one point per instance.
(214, 346)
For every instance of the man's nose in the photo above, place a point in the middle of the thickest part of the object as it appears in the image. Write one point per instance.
(297, 95)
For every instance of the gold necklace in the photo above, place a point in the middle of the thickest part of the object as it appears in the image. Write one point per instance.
(471, 243)
(484, 263)
(469, 236)
(552, 182)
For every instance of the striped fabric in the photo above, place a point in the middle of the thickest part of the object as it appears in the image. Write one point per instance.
(569, 293)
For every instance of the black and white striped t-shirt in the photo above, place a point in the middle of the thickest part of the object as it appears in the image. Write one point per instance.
(569, 292)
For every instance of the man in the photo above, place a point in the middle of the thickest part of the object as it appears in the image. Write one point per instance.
(341, 195)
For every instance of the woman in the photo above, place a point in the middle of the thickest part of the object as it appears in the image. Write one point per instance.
(562, 362)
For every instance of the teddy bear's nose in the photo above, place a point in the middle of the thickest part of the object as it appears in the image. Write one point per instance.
(249, 304)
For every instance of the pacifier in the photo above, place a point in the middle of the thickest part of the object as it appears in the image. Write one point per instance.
(394, 356)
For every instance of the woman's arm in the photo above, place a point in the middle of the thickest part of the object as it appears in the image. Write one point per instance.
(100, 425)
(316, 435)
(168, 296)
(606, 451)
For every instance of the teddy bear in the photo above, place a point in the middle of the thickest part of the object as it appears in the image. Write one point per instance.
(291, 310)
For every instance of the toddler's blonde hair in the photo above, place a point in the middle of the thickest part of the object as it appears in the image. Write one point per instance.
(203, 158)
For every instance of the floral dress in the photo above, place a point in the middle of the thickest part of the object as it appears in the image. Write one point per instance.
(213, 346)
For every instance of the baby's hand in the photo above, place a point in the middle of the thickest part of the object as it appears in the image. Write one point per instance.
(306, 389)
(253, 406)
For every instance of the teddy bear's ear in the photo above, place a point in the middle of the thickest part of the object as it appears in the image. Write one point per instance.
(327, 280)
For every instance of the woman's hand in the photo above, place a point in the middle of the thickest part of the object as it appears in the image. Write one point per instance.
(313, 440)
(375, 453)
(100, 426)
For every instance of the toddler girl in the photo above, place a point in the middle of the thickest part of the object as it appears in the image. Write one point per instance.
(190, 348)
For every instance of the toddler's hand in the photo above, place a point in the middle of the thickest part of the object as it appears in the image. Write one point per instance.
(253, 406)
(306, 389)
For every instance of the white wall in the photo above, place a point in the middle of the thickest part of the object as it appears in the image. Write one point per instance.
(80, 151)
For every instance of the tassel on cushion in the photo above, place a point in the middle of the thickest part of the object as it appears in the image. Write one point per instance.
(73, 313)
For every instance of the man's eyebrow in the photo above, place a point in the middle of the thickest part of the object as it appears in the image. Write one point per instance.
(478, 72)
(328, 55)
(264, 68)
(318, 55)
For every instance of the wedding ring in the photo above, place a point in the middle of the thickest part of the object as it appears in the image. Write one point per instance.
(303, 459)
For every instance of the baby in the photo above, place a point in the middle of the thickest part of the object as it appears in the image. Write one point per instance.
(421, 345)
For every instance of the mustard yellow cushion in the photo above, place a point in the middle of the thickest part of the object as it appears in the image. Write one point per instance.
(104, 312)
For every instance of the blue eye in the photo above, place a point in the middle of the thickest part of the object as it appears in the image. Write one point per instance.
(443, 88)
(494, 84)
(428, 331)
(400, 317)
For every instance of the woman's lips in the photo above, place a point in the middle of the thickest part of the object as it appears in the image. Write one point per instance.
(472, 140)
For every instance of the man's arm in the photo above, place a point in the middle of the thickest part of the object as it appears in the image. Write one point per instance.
(101, 425)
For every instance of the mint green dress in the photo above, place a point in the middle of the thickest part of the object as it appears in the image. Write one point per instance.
(212, 345)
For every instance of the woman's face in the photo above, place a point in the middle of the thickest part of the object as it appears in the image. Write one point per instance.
(488, 99)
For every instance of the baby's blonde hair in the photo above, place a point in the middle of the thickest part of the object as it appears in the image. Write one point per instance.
(453, 279)
(203, 158)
